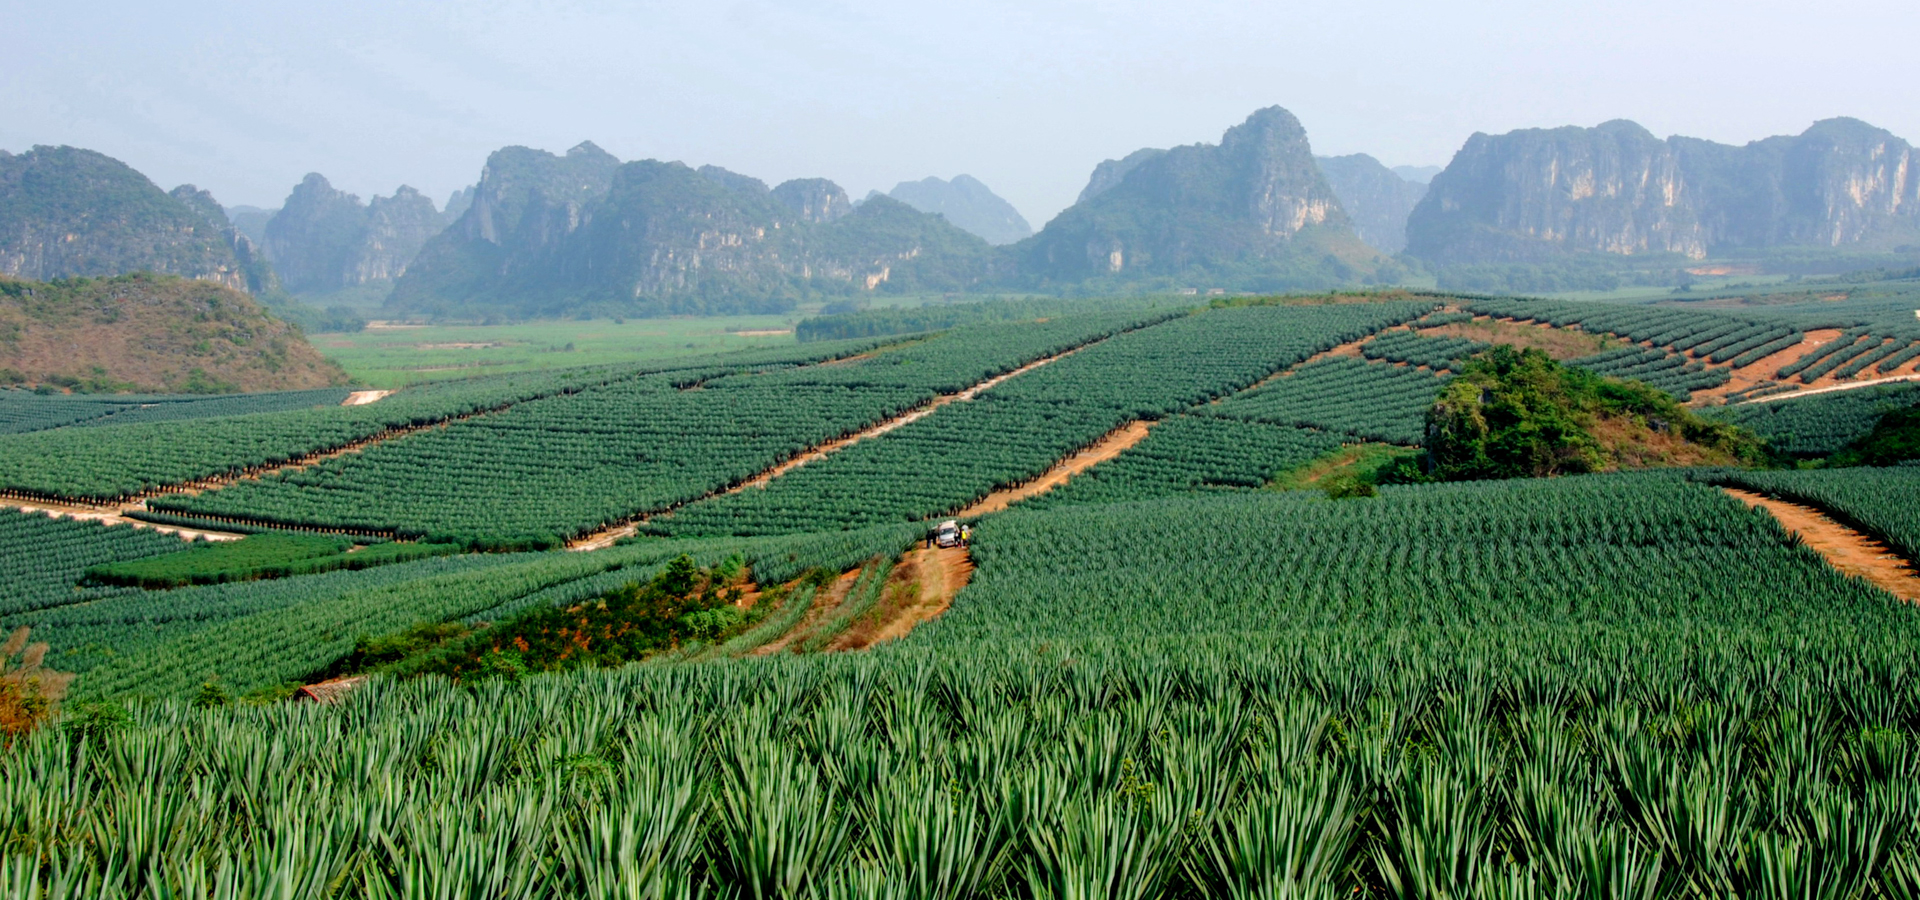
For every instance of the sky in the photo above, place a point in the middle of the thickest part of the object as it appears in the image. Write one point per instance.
(1027, 95)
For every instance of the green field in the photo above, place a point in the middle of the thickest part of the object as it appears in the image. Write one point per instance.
(1263, 649)
(394, 355)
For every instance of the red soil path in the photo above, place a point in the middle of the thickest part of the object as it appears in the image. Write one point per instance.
(1847, 550)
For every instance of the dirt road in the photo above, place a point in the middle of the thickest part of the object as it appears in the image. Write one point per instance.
(115, 515)
(1847, 550)
(940, 572)
(1102, 450)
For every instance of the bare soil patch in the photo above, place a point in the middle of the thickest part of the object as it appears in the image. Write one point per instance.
(362, 398)
(1762, 370)
(1847, 550)
(1100, 451)
(1633, 445)
(824, 604)
(921, 589)
(765, 332)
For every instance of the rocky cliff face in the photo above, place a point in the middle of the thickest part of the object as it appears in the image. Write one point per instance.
(68, 212)
(813, 199)
(1840, 183)
(253, 265)
(324, 239)
(526, 203)
(548, 235)
(1374, 196)
(1529, 195)
(967, 203)
(457, 203)
(1254, 211)
(1534, 194)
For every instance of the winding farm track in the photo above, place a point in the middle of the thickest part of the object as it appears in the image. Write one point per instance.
(1113, 444)
(940, 573)
(1847, 550)
(1845, 386)
(117, 516)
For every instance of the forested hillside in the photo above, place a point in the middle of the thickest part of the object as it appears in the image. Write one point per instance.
(67, 212)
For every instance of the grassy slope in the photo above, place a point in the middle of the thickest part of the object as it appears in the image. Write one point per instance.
(154, 334)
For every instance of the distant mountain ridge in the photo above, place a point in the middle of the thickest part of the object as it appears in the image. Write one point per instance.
(323, 239)
(1535, 194)
(967, 203)
(1377, 198)
(547, 234)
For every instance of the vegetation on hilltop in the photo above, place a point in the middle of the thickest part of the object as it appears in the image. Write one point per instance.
(1895, 439)
(1518, 414)
(150, 333)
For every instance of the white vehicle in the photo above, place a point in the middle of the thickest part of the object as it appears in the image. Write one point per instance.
(947, 534)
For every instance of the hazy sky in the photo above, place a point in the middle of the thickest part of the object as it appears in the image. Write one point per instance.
(1027, 95)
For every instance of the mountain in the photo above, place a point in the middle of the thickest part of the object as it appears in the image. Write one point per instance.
(548, 235)
(68, 212)
(1253, 212)
(254, 268)
(1108, 173)
(1377, 199)
(1417, 174)
(813, 199)
(525, 202)
(251, 220)
(1536, 194)
(457, 203)
(967, 203)
(152, 334)
(323, 239)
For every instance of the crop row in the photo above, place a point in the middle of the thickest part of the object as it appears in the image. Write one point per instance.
(1855, 349)
(22, 412)
(252, 635)
(1187, 454)
(1881, 501)
(547, 470)
(1594, 686)
(44, 557)
(114, 462)
(1367, 400)
(1821, 424)
(1019, 429)
(1612, 550)
(1421, 350)
(1657, 368)
(1703, 333)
